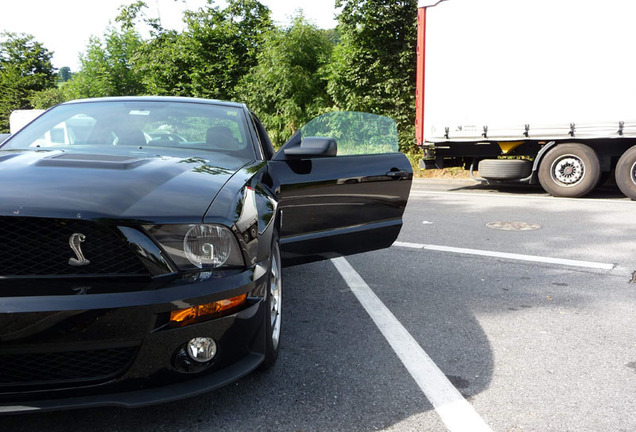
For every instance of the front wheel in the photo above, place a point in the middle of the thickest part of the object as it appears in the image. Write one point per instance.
(570, 170)
(273, 306)
(626, 173)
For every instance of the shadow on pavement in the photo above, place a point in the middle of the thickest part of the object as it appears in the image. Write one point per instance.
(608, 190)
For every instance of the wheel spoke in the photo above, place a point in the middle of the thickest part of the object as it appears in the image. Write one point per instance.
(569, 170)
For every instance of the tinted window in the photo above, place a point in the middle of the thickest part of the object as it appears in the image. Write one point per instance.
(355, 132)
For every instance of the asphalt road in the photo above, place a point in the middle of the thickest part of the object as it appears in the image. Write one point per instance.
(531, 344)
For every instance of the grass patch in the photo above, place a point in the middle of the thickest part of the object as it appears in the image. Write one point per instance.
(446, 173)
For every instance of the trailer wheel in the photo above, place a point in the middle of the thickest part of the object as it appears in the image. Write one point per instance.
(626, 173)
(504, 169)
(569, 170)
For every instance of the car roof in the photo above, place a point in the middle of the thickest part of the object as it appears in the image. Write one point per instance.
(157, 99)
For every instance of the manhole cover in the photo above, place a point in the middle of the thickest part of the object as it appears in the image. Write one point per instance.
(513, 226)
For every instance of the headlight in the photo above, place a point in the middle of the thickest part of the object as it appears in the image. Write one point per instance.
(198, 245)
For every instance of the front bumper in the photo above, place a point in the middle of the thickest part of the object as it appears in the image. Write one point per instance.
(119, 348)
(143, 397)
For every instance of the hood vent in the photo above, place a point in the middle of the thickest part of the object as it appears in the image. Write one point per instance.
(93, 161)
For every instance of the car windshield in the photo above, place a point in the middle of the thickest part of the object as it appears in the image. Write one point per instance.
(139, 127)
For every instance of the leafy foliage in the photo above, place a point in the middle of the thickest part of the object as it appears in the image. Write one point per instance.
(25, 69)
(107, 66)
(217, 48)
(287, 88)
(64, 74)
(373, 66)
(45, 99)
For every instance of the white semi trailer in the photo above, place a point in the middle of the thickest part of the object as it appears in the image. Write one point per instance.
(534, 91)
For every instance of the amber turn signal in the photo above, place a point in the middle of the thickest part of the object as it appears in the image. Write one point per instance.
(207, 310)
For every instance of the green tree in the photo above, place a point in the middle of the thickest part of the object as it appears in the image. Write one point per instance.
(107, 69)
(107, 66)
(217, 48)
(25, 69)
(166, 64)
(50, 97)
(287, 88)
(45, 99)
(373, 66)
(64, 74)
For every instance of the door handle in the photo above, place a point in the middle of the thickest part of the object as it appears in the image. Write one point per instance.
(398, 174)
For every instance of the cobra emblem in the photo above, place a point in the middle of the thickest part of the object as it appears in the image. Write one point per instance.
(75, 242)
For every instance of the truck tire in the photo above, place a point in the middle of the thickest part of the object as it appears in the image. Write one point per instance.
(626, 173)
(569, 170)
(504, 169)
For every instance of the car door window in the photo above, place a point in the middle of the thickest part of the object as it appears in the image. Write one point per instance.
(356, 133)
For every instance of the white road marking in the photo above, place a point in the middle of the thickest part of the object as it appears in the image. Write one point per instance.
(427, 223)
(456, 413)
(419, 193)
(510, 256)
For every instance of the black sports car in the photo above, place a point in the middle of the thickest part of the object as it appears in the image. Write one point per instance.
(136, 268)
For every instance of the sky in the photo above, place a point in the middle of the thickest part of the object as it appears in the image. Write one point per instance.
(65, 27)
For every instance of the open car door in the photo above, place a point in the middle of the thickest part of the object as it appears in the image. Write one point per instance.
(342, 186)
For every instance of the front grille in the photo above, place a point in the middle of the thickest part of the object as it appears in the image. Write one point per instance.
(38, 247)
(64, 367)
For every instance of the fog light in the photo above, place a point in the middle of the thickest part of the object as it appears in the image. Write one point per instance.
(201, 349)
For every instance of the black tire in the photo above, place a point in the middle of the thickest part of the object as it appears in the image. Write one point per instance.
(626, 173)
(569, 170)
(504, 169)
(273, 306)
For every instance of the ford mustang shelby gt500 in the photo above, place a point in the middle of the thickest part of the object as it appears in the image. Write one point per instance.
(142, 241)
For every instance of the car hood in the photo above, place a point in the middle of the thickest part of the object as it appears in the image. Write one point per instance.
(90, 186)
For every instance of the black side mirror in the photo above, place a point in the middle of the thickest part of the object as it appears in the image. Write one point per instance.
(312, 147)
